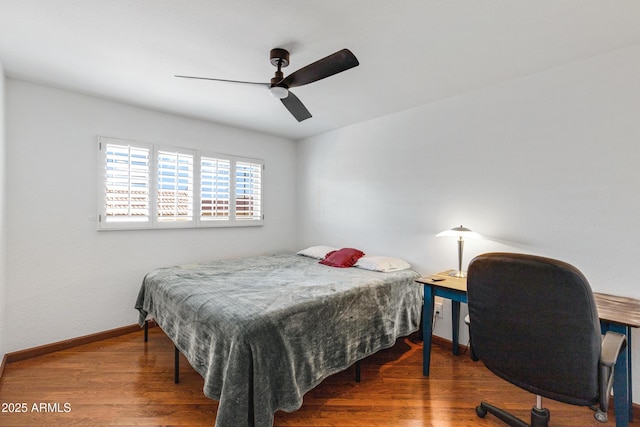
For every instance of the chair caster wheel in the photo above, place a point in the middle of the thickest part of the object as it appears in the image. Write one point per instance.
(601, 416)
(480, 411)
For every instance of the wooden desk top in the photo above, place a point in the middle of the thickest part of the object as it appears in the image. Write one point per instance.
(444, 280)
(611, 308)
(621, 310)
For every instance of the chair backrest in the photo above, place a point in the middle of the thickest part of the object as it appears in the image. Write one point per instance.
(534, 323)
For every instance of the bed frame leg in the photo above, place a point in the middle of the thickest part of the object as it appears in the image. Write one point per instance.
(146, 330)
(358, 371)
(176, 365)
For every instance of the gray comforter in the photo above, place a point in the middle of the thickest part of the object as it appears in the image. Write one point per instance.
(263, 331)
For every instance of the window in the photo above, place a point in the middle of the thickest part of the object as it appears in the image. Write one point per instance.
(175, 186)
(248, 191)
(215, 189)
(147, 186)
(126, 191)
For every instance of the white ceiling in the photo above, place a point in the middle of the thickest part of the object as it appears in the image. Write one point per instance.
(411, 52)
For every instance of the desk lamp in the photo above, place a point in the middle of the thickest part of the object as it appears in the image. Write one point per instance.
(459, 232)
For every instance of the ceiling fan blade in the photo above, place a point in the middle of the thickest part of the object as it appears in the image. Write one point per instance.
(325, 67)
(296, 107)
(223, 80)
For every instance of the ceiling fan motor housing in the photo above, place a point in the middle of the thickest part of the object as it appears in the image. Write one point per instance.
(279, 57)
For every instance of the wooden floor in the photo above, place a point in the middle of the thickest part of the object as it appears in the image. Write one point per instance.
(124, 381)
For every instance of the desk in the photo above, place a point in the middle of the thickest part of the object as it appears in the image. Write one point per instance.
(445, 286)
(617, 314)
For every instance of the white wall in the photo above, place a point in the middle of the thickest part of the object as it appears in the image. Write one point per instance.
(546, 164)
(3, 227)
(64, 278)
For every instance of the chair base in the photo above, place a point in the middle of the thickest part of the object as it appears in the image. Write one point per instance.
(539, 417)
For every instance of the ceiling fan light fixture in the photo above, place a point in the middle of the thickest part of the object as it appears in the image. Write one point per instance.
(279, 92)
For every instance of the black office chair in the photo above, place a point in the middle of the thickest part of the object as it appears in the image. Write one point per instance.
(534, 323)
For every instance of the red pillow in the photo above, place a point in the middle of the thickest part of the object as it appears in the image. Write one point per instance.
(342, 258)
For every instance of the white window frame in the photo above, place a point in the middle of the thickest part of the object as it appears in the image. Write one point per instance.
(223, 220)
(177, 221)
(252, 188)
(197, 220)
(143, 222)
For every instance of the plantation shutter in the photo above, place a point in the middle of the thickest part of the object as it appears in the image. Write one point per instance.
(215, 189)
(175, 186)
(248, 190)
(126, 183)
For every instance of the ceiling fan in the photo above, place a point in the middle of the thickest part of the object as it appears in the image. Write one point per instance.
(279, 85)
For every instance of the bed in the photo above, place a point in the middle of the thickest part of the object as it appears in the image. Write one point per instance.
(262, 331)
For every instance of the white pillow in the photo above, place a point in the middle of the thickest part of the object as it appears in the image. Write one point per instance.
(318, 252)
(385, 264)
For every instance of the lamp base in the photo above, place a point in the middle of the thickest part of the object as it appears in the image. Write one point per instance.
(458, 273)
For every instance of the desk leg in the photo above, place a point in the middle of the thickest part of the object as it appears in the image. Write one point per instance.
(629, 376)
(427, 318)
(622, 384)
(623, 378)
(455, 325)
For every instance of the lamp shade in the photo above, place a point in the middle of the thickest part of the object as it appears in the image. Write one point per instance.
(461, 231)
